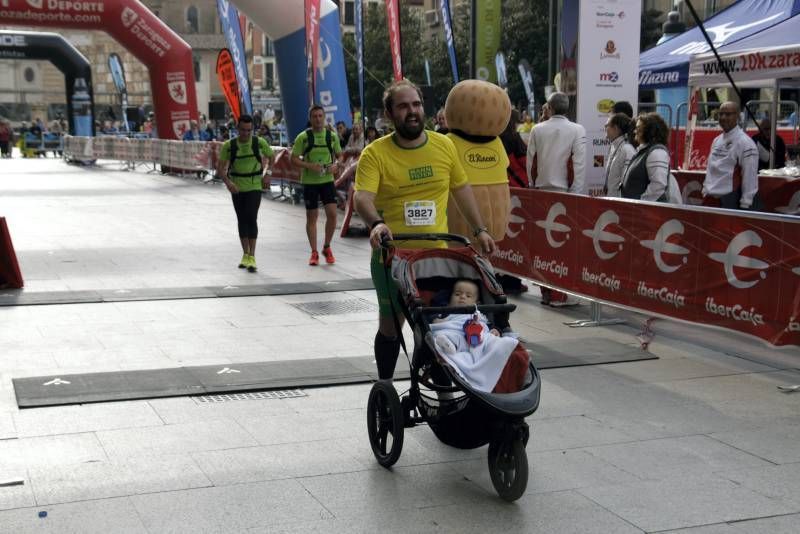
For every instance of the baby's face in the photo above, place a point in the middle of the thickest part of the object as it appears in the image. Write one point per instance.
(464, 294)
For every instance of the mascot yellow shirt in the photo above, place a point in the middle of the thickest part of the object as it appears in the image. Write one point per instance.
(484, 163)
(411, 184)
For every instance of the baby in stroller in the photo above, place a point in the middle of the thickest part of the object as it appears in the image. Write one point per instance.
(476, 352)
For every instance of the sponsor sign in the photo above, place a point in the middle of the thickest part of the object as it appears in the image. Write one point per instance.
(447, 27)
(720, 268)
(393, 21)
(226, 74)
(608, 71)
(232, 29)
(606, 248)
(135, 27)
(485, 38)
(513, 251)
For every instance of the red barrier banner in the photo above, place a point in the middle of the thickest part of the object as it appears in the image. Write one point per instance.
(777, 194)
(10, 275)
(226, 74)
(393, 21)
(721, 268)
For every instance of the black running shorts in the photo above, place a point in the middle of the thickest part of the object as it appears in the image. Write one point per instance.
(314, 193)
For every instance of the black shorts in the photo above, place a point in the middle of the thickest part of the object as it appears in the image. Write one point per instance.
(314, 193)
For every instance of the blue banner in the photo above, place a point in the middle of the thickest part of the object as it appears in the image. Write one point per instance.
(447, 23)
(229, 18)
(360, 56)
(332, 92)
(118, 75)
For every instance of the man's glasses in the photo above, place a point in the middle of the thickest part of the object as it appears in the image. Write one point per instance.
(244, 129)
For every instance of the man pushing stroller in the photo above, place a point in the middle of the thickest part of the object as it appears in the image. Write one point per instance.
(402, 185)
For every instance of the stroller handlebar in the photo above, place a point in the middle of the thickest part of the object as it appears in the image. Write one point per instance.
(486, 308)
(425, 237)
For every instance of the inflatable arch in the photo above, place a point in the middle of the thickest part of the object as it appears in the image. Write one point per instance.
(73, 65)
(167, 57)
(284, 23)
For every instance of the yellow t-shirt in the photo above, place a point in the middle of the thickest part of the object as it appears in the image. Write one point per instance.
(485, 163)
(411, 184)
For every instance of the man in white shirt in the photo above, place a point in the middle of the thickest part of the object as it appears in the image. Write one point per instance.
(557, 147)
(732, 175)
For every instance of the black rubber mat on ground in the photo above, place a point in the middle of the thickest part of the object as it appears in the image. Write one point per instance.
(210, 379)
(584, 351)
(21, 297)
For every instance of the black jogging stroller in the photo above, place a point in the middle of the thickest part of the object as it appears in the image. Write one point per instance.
(459, 415)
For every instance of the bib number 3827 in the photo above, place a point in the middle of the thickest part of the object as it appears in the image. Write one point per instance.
(420, 213)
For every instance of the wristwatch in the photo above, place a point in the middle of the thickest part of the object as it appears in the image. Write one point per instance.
(478, 231)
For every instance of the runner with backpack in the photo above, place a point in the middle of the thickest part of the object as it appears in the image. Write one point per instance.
(243, 163)
(316, 151)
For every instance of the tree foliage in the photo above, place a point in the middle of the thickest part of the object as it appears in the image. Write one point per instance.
(524, 36)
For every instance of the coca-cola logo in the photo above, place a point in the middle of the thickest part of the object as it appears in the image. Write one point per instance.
(697, 160)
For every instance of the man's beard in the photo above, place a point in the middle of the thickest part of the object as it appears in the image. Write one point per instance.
(410, 131)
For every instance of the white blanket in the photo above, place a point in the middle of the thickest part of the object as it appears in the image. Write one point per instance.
(479, 366)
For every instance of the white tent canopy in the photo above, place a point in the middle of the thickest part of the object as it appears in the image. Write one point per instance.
(760, 59)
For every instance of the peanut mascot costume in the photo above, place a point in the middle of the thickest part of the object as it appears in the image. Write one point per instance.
(477, 112)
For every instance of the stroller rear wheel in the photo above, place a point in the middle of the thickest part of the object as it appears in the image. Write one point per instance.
(508, 467)
(385, 423)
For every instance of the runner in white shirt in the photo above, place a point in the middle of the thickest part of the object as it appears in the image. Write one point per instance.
(732, 175)
(552, 143)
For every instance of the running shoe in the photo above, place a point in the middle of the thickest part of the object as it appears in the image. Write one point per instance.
(244, 262)
(314, 259)
(328, 253)
(251, 264)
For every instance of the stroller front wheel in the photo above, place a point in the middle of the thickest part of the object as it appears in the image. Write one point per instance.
(508, 467)
(385, 423)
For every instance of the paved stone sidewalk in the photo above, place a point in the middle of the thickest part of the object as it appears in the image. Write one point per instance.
(699, 441)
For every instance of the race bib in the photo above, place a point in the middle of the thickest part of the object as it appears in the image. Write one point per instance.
(420, 213)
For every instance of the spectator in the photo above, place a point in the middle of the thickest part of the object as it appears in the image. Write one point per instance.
(257, 120)
(620, 152)
(646, 176)
(372, 134)
(732, 175)
(762, 139)
(356, 142)
(36, 127)
(516, 149)
(195, 133)
(622, 107)
(557, 151)
(527, 123)
(6, 136)
(265, 133)
(557, 148)
(441, 122)
(342, 132)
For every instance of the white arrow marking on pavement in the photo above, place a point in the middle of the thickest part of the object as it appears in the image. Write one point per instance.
(227, 371)
(56, 382)
(121, 291)
(231, 287)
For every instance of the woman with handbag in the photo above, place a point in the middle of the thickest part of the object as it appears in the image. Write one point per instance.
(646, 176)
